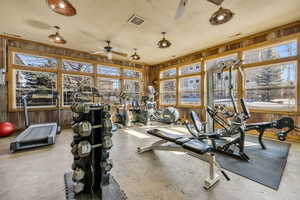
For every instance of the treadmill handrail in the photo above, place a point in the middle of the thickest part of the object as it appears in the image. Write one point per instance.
(24, 98)
(25, 108)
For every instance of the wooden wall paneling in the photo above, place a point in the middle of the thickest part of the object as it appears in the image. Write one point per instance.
(298, 75)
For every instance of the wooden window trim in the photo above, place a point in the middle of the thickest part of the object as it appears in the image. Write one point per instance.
(59, 74)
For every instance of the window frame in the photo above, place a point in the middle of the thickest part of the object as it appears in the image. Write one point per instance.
(180, 91)
(240, 93)
(59, 75)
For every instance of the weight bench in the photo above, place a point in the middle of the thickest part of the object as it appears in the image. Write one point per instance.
(189, 145)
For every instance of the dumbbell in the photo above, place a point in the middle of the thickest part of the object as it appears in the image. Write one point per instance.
(78, 187)
(78, 174)
(81, 108)
(107, 165)
(82, 149)
(107, 142)
(83, 128)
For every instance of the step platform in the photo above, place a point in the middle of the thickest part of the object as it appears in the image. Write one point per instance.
(109, 192)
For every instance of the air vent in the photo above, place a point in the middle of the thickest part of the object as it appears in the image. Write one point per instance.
(136, 20)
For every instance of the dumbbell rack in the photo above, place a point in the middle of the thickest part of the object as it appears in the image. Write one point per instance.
(90, 178)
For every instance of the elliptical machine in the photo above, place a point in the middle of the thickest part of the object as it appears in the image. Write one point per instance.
(169, 115)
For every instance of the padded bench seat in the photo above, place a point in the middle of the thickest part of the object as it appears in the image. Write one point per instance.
(197, 146)
(164, 135)
(193, 145)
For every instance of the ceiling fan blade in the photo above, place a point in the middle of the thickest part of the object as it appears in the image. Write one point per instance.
(119, 53)
(216, 2)
(109, 55)
(181, 9)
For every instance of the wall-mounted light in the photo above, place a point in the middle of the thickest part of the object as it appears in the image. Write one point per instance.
(221, 16)
(135, 56)
(57, 38)
(164, 43)
(63, 7)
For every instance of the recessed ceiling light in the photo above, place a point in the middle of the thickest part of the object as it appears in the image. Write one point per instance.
(63, 7)
(57, 38)
(164, 43)
(221, 16)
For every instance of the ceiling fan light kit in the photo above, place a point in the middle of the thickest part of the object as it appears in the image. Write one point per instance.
(221, 16)
(63, 7)
(164, 43)
(57, 38)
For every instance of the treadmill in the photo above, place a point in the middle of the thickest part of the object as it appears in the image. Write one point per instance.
(37, 135)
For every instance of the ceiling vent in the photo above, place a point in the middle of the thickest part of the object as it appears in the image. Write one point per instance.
(136, 20)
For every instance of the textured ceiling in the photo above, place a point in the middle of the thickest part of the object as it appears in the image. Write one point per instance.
(100, 20)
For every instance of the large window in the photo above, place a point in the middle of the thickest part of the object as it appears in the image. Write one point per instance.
(168, 73)
(214, 64)
(28, 60)
(107, 70)
(190, 69)
(109, 89)
(72, 84)
(38, 76)
(221, 92)
(220, 82)
(41, 85)
(272, 86)
(77, 66)
(282, 50)
(132, 74)
(132, 89)
(168, 92)
(190, 90)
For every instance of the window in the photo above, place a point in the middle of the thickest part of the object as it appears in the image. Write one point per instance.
(220, 82)
(190, 90)
(168, 92)
(109, 89)
(271, 86)
(282, 50)
(132, 88)
(214, 63)
(132, 74)
(190, 69)
(41, 84)
(71, 84)
(168, 73)
(34, 61)
(77, 66)
(221, 93)
(110, 71)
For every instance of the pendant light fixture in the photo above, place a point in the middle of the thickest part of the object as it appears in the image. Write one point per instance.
(63, 7)
(56, 38)
(221, 16)
(164, 43)
(135, 56)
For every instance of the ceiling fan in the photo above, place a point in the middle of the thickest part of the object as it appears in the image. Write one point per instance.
(183, 4)
(109, 51)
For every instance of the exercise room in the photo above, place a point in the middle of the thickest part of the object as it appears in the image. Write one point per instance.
(149, 100)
